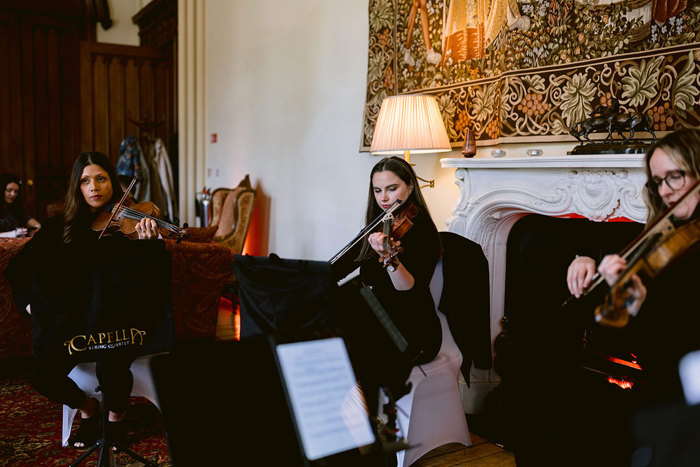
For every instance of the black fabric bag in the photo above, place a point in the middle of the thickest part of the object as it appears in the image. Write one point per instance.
(111, 295)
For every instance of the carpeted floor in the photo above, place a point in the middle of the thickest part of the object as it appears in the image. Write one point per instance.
(30, 430)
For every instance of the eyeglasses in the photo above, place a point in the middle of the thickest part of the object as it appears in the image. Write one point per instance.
(675, 180)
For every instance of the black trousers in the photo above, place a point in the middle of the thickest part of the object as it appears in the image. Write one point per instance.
(50, 378)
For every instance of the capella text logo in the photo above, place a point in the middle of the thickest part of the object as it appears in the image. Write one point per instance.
(105, 340)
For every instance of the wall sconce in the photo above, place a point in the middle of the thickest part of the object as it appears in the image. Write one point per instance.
(410, 123)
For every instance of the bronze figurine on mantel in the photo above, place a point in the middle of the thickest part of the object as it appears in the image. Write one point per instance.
(613, 121)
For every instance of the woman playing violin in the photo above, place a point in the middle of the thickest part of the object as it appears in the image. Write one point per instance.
(402, 283)
(665, 323)
(672, 169)
(92, 185)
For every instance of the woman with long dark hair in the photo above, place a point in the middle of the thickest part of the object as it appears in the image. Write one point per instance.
(14, 220)
(402, 285)
(93, 185)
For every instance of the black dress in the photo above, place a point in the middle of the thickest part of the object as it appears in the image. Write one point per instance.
(413, 311)
(10, 219)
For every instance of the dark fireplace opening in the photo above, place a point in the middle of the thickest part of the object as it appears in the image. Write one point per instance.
(555, 363)
(539, 252)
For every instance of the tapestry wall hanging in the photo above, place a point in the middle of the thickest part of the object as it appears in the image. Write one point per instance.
(523, 71)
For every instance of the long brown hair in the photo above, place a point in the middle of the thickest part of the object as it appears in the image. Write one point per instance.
(76, 209)
(404, 171)
(683, 148)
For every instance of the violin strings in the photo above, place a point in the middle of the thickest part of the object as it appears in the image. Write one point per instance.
(138, 215)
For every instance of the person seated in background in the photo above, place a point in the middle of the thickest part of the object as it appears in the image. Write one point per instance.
(92, 185)
(14, 221)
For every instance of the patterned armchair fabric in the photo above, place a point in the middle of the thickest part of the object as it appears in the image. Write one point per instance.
(198, 276)
(199, 273)
(15, 326)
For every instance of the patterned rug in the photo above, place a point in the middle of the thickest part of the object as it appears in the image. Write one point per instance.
(30, 431)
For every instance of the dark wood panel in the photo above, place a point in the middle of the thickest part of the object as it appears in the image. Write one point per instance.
(10, 98)
(39, 94)
(128, 85)
(100, 103)
(70, 101)
(116, 103)
(40, 106)
(146, 99)
(54, 114)
(131, 97)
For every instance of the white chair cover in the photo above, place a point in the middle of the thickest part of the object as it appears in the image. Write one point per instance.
(431, 414)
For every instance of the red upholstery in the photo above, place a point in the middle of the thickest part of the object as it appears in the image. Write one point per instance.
(199, 273)
(15, 326)
(198, 276)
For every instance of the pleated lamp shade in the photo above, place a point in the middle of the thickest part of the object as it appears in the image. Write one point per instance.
(409, 123)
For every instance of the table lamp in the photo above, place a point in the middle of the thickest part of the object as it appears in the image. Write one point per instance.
(410, 123)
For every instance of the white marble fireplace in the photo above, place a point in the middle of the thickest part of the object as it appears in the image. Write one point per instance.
(496, 192)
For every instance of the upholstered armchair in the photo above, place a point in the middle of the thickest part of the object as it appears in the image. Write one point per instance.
(232, 209)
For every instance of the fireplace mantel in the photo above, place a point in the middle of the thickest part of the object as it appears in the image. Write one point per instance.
(495, 192)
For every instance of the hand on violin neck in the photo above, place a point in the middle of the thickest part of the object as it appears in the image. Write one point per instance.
(147, 229)
(636, 293)
(378, 242)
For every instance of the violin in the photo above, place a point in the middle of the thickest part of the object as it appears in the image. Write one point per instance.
(614, 311)
(654, 251)
(122, 218)
(394, 227)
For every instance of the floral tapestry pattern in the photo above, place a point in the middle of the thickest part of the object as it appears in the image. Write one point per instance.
(529, 70)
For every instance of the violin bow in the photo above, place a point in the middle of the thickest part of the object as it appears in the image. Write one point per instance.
(116, 208)
(644, 239)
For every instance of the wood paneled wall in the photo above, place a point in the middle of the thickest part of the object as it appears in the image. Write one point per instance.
(39, 89)
(124, 91)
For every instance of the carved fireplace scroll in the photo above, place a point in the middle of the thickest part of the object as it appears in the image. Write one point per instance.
(495, 193)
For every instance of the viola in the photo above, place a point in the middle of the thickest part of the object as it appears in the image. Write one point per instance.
(123, 218)
(658, 247)
(394, 227)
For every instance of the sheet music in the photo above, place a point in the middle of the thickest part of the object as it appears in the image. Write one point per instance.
(330, 411)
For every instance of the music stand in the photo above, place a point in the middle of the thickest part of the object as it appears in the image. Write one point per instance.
(256, 408)
(289, 296)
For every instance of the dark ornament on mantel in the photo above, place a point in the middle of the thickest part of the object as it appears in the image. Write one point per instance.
(612, 121)
(469, 148)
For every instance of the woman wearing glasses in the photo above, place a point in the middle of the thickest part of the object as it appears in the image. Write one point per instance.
(665, 322)
(672, 166)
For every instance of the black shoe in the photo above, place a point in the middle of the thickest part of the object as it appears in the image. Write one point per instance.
(88, 432)
(116, 431)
